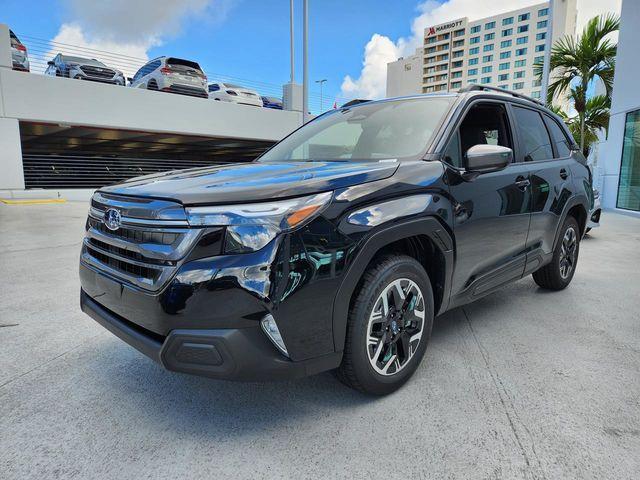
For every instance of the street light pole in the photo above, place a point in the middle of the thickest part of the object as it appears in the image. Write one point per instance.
(293, 72)
(321, 82)
(305, 61)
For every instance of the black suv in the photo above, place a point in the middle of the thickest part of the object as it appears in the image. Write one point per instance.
(337, 247)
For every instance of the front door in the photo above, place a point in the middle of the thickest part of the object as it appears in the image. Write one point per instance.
(491, 212)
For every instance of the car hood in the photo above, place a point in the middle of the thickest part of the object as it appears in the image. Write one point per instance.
(255, 181)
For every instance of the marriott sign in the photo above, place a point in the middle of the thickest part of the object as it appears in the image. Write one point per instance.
(444, 27)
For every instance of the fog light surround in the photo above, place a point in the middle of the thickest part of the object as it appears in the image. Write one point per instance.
(270, 327)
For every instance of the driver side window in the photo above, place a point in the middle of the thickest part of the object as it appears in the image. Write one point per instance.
(484, 124)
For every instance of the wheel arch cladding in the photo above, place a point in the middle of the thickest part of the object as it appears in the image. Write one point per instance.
(425, 239)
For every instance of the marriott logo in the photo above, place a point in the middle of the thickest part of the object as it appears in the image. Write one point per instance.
(443, 27)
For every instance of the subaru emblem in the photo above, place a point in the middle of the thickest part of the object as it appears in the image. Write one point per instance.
(112, 219)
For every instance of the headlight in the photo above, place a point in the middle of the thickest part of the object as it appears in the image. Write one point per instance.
(251, 226)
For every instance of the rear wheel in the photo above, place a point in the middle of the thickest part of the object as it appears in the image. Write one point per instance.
(557, 274)
(389, 326)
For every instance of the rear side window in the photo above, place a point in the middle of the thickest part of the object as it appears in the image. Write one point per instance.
(563, 147)
(535, 142)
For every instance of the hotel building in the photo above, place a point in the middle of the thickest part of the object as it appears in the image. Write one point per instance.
(499, 51)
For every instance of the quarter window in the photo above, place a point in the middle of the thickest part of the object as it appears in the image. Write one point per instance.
(563, 148)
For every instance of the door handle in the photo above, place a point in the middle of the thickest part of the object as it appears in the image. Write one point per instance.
(563, 174)
(522, 183)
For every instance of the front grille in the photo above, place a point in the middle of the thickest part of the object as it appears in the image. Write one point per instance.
(98, 72)
(147, 248)
(185, 90)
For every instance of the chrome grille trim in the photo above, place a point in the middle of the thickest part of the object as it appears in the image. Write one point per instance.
(148, 247)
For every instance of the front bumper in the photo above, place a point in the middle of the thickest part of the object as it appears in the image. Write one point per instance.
(226, 353)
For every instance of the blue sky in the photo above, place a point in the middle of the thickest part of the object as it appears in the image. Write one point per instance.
(248, 40)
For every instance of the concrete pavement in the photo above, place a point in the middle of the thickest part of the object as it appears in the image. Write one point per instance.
(521, 384)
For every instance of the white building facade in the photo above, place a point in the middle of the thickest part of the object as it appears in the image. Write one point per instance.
(619, 156)
(497, 51)
(404, 76)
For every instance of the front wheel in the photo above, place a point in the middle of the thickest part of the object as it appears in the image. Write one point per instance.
(557, 274)
(389, 326)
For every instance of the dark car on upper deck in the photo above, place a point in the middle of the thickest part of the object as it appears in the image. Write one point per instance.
(337, 247)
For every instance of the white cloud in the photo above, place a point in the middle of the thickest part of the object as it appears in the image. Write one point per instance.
(128, 28)
(381, 50)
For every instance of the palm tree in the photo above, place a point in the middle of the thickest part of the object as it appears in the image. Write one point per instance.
(575, 63)
(594, 119)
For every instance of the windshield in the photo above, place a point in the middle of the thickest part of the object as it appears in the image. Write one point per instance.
(84, 61)
(397, 129)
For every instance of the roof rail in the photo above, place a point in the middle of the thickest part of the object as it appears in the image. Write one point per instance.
(476, 87)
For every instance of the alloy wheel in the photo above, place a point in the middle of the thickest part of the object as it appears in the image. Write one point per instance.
(568, 252)
(395, 326)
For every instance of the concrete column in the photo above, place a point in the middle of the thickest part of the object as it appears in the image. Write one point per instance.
(5, 47)
(11, 172)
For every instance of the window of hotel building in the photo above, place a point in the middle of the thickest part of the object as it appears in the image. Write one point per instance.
(442, 58)
(489, 36)
(485, 80)
(540, 48)
(541, 36)
(523, 17)
(456, 84)
(430, 50)
(507, 21)
(505, 44)
(538, 60)
(474, 40)
(542, 24)
(459, 33)
(457, 64)
(519, 74)
(430, 60)
(543, 12)
(456, 75)
(472, 71)
(489, 25)
(475, 29)
(519, 63)
(488, 48)
(474, 51)
(507, 32)
(473, 61)
(629, 183)
(523, 28)
(430, 40)
(504, 55)
(429, 70)
(535, 94)
(504, 66)
(429, 79)
(536, 83)
(458, 54)
(472, 80)
(487, 58)
(504, 87)
(520, 52)
(443, 47)
(518, 86)
(503, 77)
(522, 40)
(487, 69)
(444, 36)
(427, 89)
(458, 43)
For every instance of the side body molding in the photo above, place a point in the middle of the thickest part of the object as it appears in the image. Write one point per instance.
(428, 226)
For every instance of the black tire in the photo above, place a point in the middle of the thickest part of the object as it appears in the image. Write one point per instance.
(554, 275)
(357, 369)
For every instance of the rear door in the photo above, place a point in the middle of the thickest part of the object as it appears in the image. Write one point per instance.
(544, 150)
(491, 212)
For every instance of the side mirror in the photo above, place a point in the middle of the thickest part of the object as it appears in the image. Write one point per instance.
(51, 63)
(487, 158)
